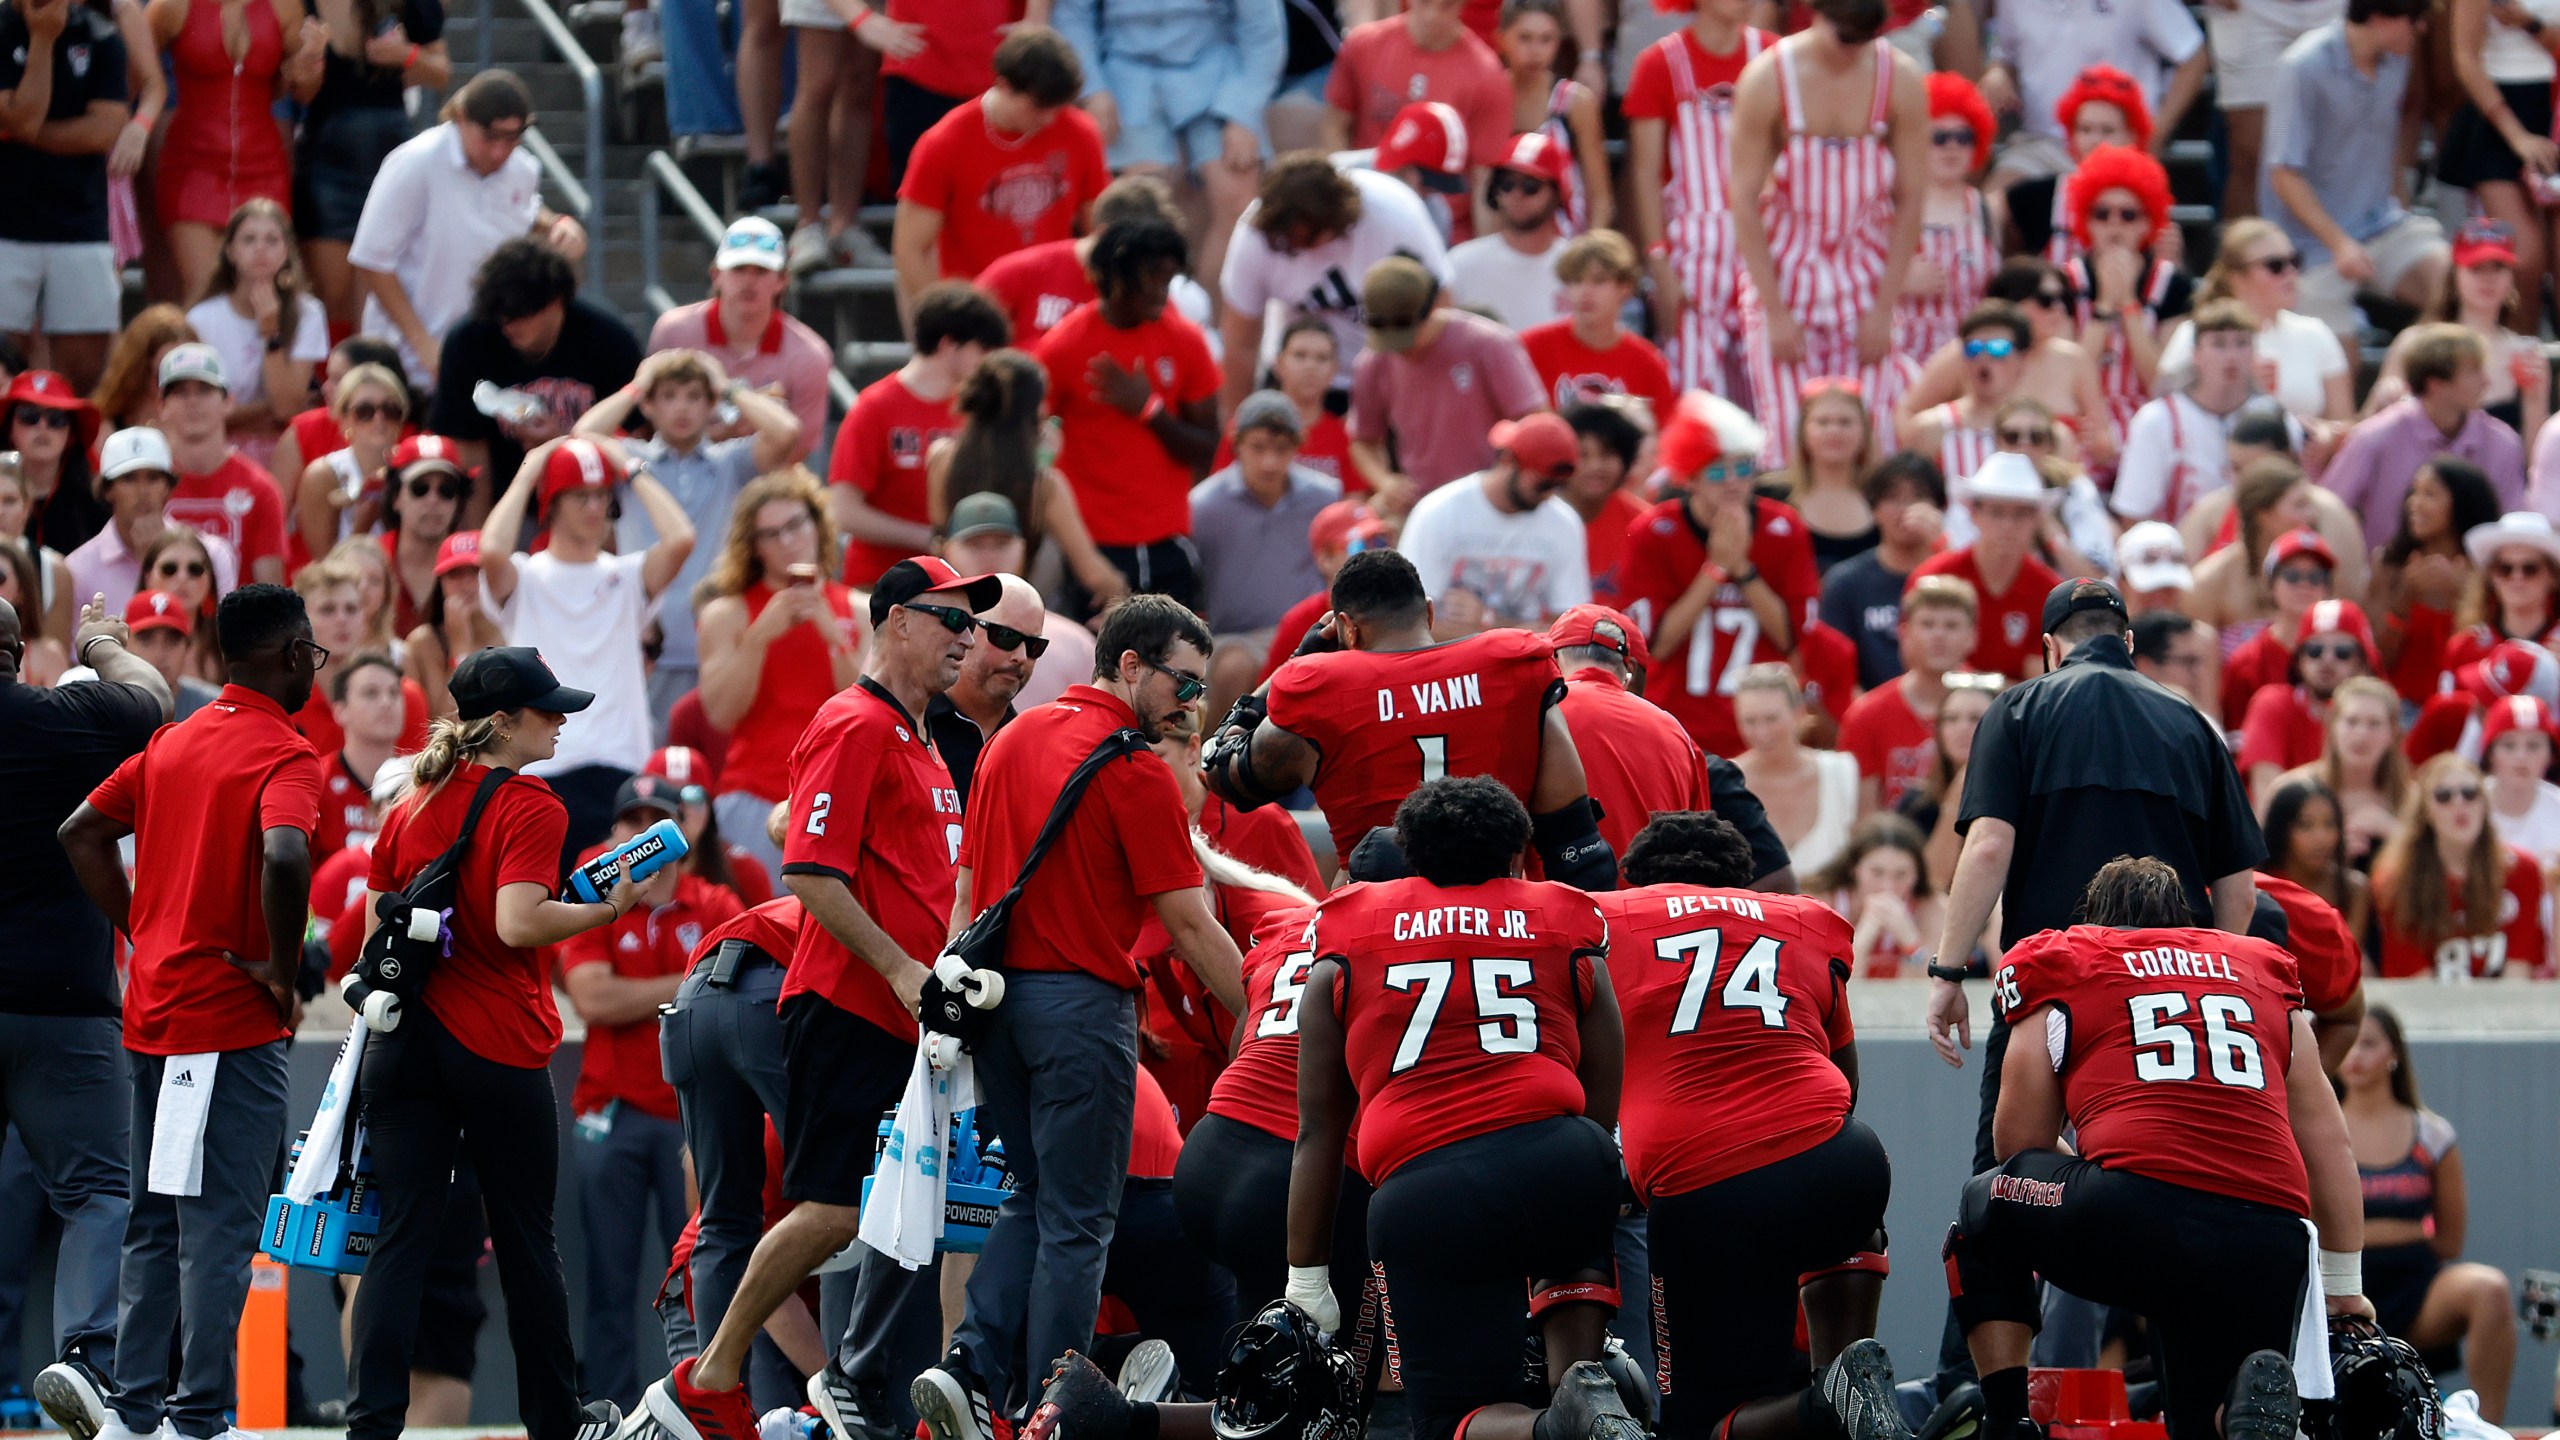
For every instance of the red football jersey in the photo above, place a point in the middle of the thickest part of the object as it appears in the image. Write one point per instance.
(1383, 722)
(1259, 1087)
(1636, 759)
(1461, 1007)
(1574, 372)
(2172, 1046)
(2324, 950)
(2011, 631)
(2475, 951)
(1696, 681)
(1733, 1003)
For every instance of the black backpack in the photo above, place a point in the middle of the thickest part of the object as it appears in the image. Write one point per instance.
(417, 926)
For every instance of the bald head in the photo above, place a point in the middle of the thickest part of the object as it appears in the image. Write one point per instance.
(1019, 608)
(13, 643)
(992, 675)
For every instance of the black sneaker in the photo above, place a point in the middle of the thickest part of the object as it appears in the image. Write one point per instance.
(1856, 1391)
(841, 1404)
(598, 1420)
(952, 1402)
(2262, 1403)
(1958, 1417)
(74, 1395)
(1586, 1406)
(763, 185)
(1080, 1404)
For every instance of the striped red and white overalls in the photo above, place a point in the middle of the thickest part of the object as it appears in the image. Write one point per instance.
(1698, 220)
(2119, 379)
(1967, 253)
(1961, 447)
(1558, 127)
(1829, 217)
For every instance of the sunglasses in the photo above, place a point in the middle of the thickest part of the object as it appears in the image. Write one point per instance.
(1949, 139)
(2448, 794)
(1505, 184)
(2336, 650)
(1996, 347)
(1397, 322)
(46, 416)
(421, 487)
(2026, 437)
(2307, 575)
(2515, 569)
(364, 412)
(1008, 639)
(2124, 214)
(2050, 299)
(958, 622)
(192, 569)
(1186, 688)
(1724, 470)
(2284, 264)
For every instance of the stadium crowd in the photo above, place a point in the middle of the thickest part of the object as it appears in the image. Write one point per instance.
(1701, 407)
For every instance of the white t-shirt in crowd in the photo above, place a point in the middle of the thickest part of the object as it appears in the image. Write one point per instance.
(2537, 831)
(2047, 43)
(1325, 281)
(430, 219)
(587, 620)
(243, 350)
(1528, 568)
(2175, 450)
(1518, 290)
(2306, 353)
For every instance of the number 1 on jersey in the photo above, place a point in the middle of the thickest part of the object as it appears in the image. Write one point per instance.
(1435, 756)
(1752, 984)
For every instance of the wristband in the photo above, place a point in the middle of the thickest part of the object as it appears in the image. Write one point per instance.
(83, 655)
(1658, 250)
(411, 61)
(1747, 576)
(860, 20)
(2341, 1273)
(1952, 974)
(1155, 407)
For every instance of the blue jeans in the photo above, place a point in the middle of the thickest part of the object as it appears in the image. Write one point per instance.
(702, 79)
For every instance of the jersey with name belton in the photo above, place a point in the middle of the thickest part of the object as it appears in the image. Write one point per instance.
(1383, 722)
(1461, 1007)
(1734, 1003)
(2172, 1046)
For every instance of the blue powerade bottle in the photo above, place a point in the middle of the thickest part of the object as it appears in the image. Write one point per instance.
(643, 855)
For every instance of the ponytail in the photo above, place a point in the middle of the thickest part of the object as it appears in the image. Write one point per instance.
(1225, 869)
(450, 741)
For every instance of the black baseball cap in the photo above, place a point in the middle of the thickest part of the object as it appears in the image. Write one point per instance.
(2073, 596)
(922, 575)
(1378, 856)
(648, 792)
(512, 677)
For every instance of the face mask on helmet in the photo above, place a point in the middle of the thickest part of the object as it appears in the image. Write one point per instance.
(2385, 1391)
(1283, 1382)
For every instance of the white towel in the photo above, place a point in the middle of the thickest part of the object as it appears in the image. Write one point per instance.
(2312, 1377)
(316, 1170)
(2462, 1419)
(902, 1216)
(177, 1124)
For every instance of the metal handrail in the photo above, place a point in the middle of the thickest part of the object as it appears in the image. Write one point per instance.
(584, 200)
(662, 176)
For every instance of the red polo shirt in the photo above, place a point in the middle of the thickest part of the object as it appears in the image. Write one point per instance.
(199, 798)
(1128, 840)
(621, 1061)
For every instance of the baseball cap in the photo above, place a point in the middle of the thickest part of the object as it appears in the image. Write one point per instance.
(1542, 443)
(194, 360)
(2512, 667)
(922, 575)
(2342, 617)
(157, 610)
(1378, 856)
(1344, 525)
(2516, 712)
(512, 677)
(2297, 544)
(2073, 596)
(683, 764)
(1432, 135)
(648, 792)
(140, 448)
(753, 241)
(1270, 410)
(1396, 296)
(983, 512)
(578, 463)
(2153, 557)
(429, 452)
(460, 551)
(1536, 153)
(2484, 242)
(1706, 428)
(1600, 626)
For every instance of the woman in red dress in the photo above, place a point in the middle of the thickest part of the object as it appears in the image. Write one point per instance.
(222, 145)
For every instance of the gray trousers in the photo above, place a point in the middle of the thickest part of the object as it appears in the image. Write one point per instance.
(1057, 1082)
(888, 1324)
(722, 1047)
(631, 1200)
(62, 1084)
(186, 1258)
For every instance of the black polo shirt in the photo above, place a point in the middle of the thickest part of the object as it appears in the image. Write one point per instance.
(2095, 761)
(958, 739)
(1730, 797)
(60, 199)
(56, 951)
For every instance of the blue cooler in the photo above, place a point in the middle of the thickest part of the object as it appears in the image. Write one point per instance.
(975, 1182)
(333, 1233)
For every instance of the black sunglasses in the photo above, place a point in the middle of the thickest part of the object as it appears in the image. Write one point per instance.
(2279, 264)
(43, 415)
(958, 622)
(192, 569)
(2447, 794)
(2050, 297)
(364, 411)
(2308, 576)
(1186, 688)
(2339, 650)
(449, 489)
(2026, 437)
(2128, 214)
(1008, 639)
(1505, 183)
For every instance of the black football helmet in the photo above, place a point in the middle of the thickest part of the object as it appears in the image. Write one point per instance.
(2385, 1391)
(1282, 1381)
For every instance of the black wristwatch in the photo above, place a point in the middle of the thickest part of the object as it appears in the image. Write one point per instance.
(1954, 974)
(1746, 577)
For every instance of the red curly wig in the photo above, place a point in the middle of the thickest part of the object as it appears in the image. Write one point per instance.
(1952, 95)
(2107, 83)
(2111, 167)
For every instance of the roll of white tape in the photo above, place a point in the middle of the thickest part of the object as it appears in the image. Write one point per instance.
(425, 924)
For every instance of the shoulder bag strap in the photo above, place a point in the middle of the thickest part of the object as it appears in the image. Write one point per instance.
(1117, 744)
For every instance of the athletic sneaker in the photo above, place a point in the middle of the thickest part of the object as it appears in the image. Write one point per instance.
(690, 1414)
(1856, 1390)
(952, 1402)
(1080, 1403)
(1149, 1373)
(115, 1429)
(74, 1394)
(2262, 1403)
(598, 1420)
(808, 250)
(1587, 1406)
(1957, 1417)
(833, 1395)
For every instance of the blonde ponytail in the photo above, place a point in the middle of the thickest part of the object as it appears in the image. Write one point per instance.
(450, 741)
(1225, 869)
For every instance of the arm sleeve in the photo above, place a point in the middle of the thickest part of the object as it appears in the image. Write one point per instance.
(453, 413)
(830, 795)
(856, 460)
(310, 333)
(1993, 783)
(2172, 31)
(1648, 94)
(1516, 391)
(1200, 377)
(394, 210)
(1154, 830)
(2142, 474)
(291, 798)
(119, 796)
(529, 827)
(1261, 53)
(1342, 87)
(2262, 730)
(2288, 133)
(1369, 398)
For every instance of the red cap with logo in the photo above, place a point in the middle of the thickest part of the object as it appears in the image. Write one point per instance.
(157, 610)
(2512, 667)
(2516, 712)
(1431, 135)
(460, 551)
(1542, 443)
(683, 764)
(1598, 625)
(2295, 544)
(432, 452)
(1344, 525)
(1535, 152)
(2342, 617)
(577, 464)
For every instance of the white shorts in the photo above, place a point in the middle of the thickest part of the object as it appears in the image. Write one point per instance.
(2029, 156)
(2247, 43)
(2330, 298)
(71, 288)
(810, 15)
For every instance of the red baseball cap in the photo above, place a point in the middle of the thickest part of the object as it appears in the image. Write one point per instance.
(2295, 544)
(158, 610)
(2342, 617)
(1344, 525)
(2484, 242)
(2512, 667)
(578, 463)
(1542, 443)
(1429, 134)
(1535, 152)
(433, 452)
(2516, 712)
(460, 551)
(1598, 625)
(683, 764)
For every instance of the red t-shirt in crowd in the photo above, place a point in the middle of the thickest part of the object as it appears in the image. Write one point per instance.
(1636, 760)
(199, 799)
(880, 452)
(998, 193)
(1128, 841)
(1037, 288)
(1604, 542)
(798, 678)
(1729, 1046)
(1155, 1139)
(1379, 71)
(318, 721)
(1383, 722)
(337, 902)
(1132, 491)
(2477, 950)
(1259, 1087)
(872, 805)
(2174, 1057)
(1461, 1007)
(346, 811)
(1895, 744)
(238, 502)
(2280, 730)
(494, 997)
(1326, 450)
(959, 55)
(2011, 630)
(621, 1062)
(1695, 681)
(1292, 630)
(1574, 372)
(2262, 660)
(2325, 953)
